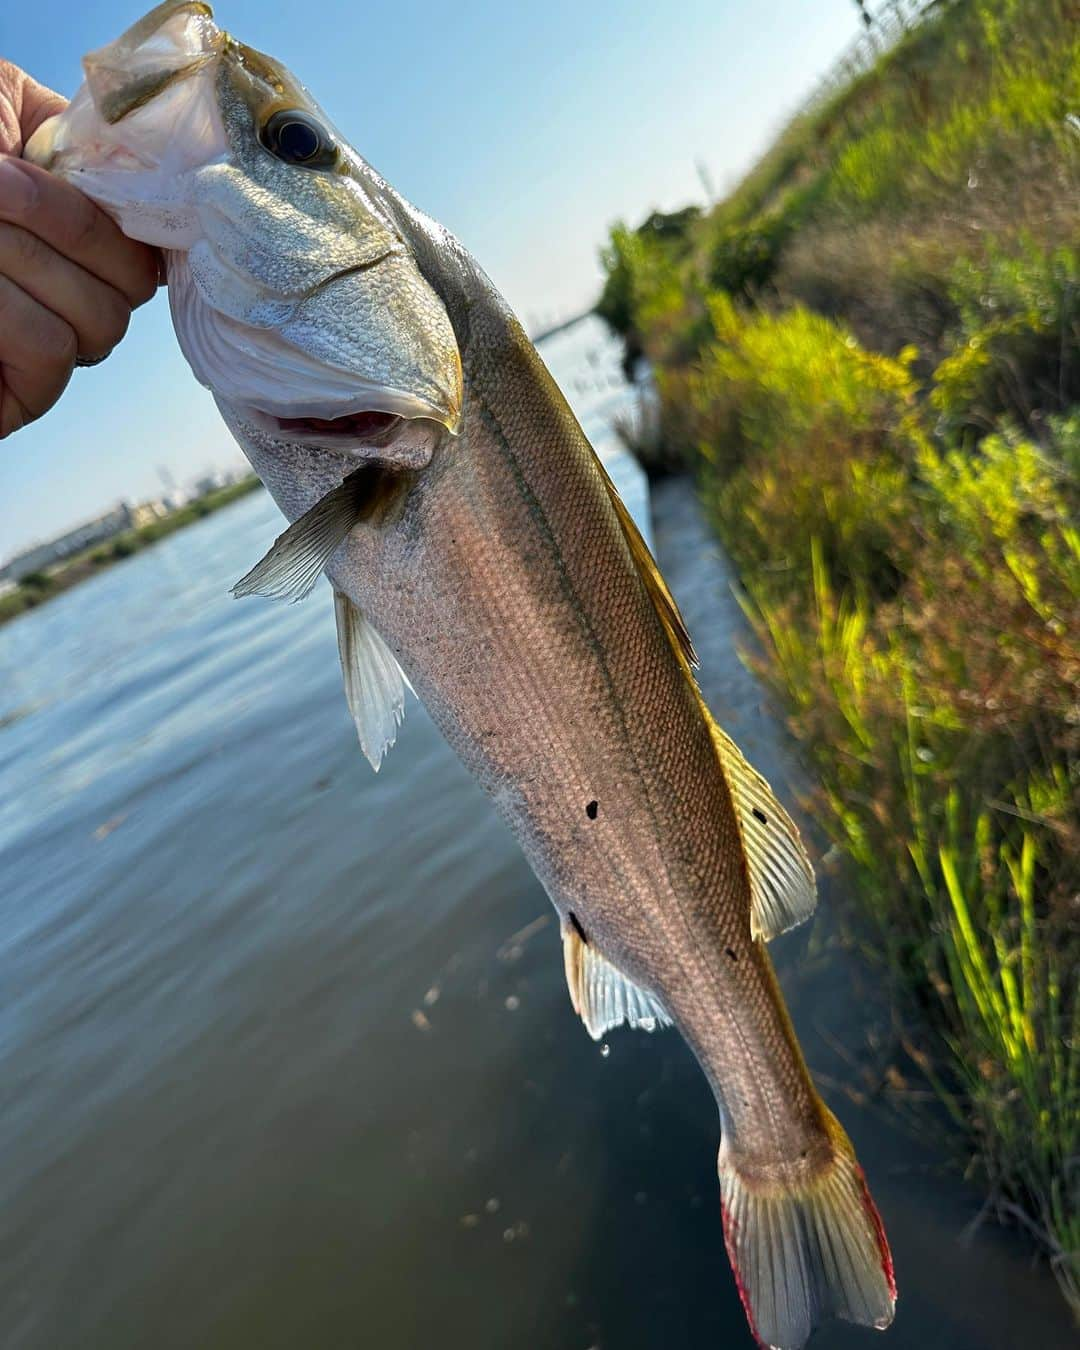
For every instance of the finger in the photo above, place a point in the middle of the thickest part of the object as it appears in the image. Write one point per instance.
(69, 221)
(97, 312)
(37, 355)
(24, 105)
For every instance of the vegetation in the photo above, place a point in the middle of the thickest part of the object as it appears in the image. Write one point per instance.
(870, 354)
(37, 587)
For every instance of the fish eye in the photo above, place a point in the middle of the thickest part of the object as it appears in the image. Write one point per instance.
(296, 138)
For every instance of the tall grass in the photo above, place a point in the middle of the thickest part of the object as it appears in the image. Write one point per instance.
(870, 355)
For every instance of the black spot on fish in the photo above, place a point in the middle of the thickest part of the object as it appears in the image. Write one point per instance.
(592, 809)
(577, 927)
(731, 953)
(761, 816)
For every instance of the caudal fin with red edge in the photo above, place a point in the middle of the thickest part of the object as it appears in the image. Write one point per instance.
(807, 1251)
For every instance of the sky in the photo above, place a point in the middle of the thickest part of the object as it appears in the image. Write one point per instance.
(526, 128)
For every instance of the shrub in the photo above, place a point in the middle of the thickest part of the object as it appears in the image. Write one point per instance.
(906, 528)
(1018, 347)
(123, 546)
(742, 259)
(635, 260)
(805, 435)
(36, 582)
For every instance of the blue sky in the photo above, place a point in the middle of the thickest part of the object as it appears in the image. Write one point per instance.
(526, 128)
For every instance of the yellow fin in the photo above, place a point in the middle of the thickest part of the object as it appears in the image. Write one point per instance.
(601, 995)
(651, 575)
(783, 892)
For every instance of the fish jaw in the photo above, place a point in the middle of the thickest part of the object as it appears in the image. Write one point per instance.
(295, 297)
(144, 115)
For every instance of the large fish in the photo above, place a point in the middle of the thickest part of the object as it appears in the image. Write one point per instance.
(392, 404)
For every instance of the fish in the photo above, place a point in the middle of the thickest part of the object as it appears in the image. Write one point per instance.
(478, 553)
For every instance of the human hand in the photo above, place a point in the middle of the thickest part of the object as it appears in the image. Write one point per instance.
(68, 278)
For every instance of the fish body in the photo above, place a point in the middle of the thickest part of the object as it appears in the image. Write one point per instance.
(392, 404)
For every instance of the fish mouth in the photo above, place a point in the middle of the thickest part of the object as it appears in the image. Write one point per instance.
(360, 435)
(353, 430)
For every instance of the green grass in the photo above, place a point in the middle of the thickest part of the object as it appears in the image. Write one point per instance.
(869, 354)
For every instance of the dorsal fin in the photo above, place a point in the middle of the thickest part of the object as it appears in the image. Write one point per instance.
(783, 892)
(601, 995)
(651, 575)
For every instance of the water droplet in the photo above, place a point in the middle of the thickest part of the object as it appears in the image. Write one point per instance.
(492, 1205)
(470, 1220)
(509, 1235)
(513, 1003)
(605, 1050)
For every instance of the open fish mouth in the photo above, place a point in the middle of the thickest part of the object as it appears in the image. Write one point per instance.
(354, 431)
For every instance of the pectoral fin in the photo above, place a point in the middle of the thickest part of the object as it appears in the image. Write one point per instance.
(601, 995)
(783, 892)
(374, 683)
(291, 568)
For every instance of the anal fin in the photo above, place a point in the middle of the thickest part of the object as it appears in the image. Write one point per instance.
(374, 682)
(601, 995)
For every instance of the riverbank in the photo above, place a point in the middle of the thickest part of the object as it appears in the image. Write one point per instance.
(869, 356)
(38, 587)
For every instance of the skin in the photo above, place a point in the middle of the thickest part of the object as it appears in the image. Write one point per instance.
(69, 279)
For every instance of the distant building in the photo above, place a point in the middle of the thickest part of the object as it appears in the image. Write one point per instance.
(146, 512)
(210, 483)
(41, 556)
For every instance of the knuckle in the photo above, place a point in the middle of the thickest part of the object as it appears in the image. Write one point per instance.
(25, 250)
(55, 342)
(81, 223)
(112, 320)
(8, 305)
(145, 278)
(14, 415)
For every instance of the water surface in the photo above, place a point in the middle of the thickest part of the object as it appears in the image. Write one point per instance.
(286, 1056)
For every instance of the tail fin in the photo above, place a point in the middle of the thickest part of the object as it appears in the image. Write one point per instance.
(805, 1251)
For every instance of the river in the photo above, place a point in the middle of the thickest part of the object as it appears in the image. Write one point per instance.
(286, 1056)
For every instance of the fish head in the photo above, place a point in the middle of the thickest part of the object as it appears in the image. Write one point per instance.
(295, 297)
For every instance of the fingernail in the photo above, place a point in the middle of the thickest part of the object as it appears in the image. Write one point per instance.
(18, 191)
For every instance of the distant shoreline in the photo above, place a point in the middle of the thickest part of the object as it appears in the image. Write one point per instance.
(36, 588)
